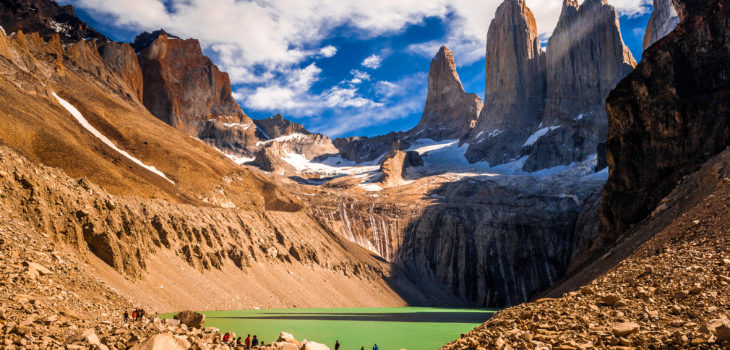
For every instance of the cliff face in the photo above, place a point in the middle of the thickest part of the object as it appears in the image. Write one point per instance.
(499, 242)
(186, 90)
(46, 18)
(586, 57)
(668, 116)
(515, 85)
(277, 126)
(449, 112)
(395, 164)
(663, 20)
(123, 59)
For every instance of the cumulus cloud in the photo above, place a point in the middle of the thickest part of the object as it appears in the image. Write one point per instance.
(328, 51)
(372, 61)
(359, 76)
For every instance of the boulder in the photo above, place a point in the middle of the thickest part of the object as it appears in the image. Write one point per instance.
(287, 338)
(282, 345)
(164, 341)
(310, 345)
(394, 165)
(624, 329)
(42, 270)
(610, 299)
(86, 335)
(191, 318)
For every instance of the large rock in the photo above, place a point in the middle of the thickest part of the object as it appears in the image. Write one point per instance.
(663, 20)
(164, 341)
(270, 158)
(191, 318)
(581, 71)
(669, 116)
(394, 166)
(183, 88)
(515, 86)
(450, 112)
(310, 345)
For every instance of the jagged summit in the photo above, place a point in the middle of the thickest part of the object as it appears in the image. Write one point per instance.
(663, 20)
(46, 18)
(515, 85)
(277, 126)
(146, 39)
(449, 112)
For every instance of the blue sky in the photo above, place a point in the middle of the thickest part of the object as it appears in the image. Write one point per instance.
(343, 68)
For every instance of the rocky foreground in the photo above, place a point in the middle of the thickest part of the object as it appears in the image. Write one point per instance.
(674, 292)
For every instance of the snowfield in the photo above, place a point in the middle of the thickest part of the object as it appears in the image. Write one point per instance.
(538, 134)
(85, 123)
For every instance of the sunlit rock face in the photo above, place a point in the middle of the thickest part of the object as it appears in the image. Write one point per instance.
(662, 21)
(515, 85)
(183, 88)
(449, 112)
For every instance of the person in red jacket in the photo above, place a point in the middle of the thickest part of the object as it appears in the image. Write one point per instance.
(248, 341)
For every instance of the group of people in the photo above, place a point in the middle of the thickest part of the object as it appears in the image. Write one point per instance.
(136, 315)
(230, 339)
(337, 346)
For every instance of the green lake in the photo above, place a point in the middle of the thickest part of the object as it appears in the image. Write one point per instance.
(412, 328)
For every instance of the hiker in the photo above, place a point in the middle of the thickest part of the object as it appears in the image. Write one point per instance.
(337, 345)
(238, 342)
(134, 315)
(375, 347)
(225, 337)
(126, 316)
(255, 341)
(248, 341)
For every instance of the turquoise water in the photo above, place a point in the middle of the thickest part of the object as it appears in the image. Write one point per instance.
(412, 328)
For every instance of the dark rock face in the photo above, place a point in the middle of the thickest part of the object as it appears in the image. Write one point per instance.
(367, 149)
(515, 86)
(663, 20)
(500, 241)
(269, 159)
(669, 116)
(183, 88)
(449, 112)
(586, 57)
(277, 126)
(47, 18)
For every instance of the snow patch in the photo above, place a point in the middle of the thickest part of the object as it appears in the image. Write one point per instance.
(295, 136)
(579, 117)
(263, 133)
(538, 134)
(244, 126)
(371, 187)
(3, 30)
(85, 123)
(239, 160)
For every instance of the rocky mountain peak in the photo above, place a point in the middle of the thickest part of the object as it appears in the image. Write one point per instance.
(277, 126)
(515, 85)
(449, 111)
(663, 20)
(145, 39)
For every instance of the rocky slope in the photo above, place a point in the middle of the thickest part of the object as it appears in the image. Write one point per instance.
(515, 86)
(450, 113)
(668, 116)
(663, 20)
(586, 58)
(46, 18)
(671, 291)
(185, 89)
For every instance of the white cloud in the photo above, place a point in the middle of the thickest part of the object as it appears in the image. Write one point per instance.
(372, 61)
(328, 51)
(358, 76)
